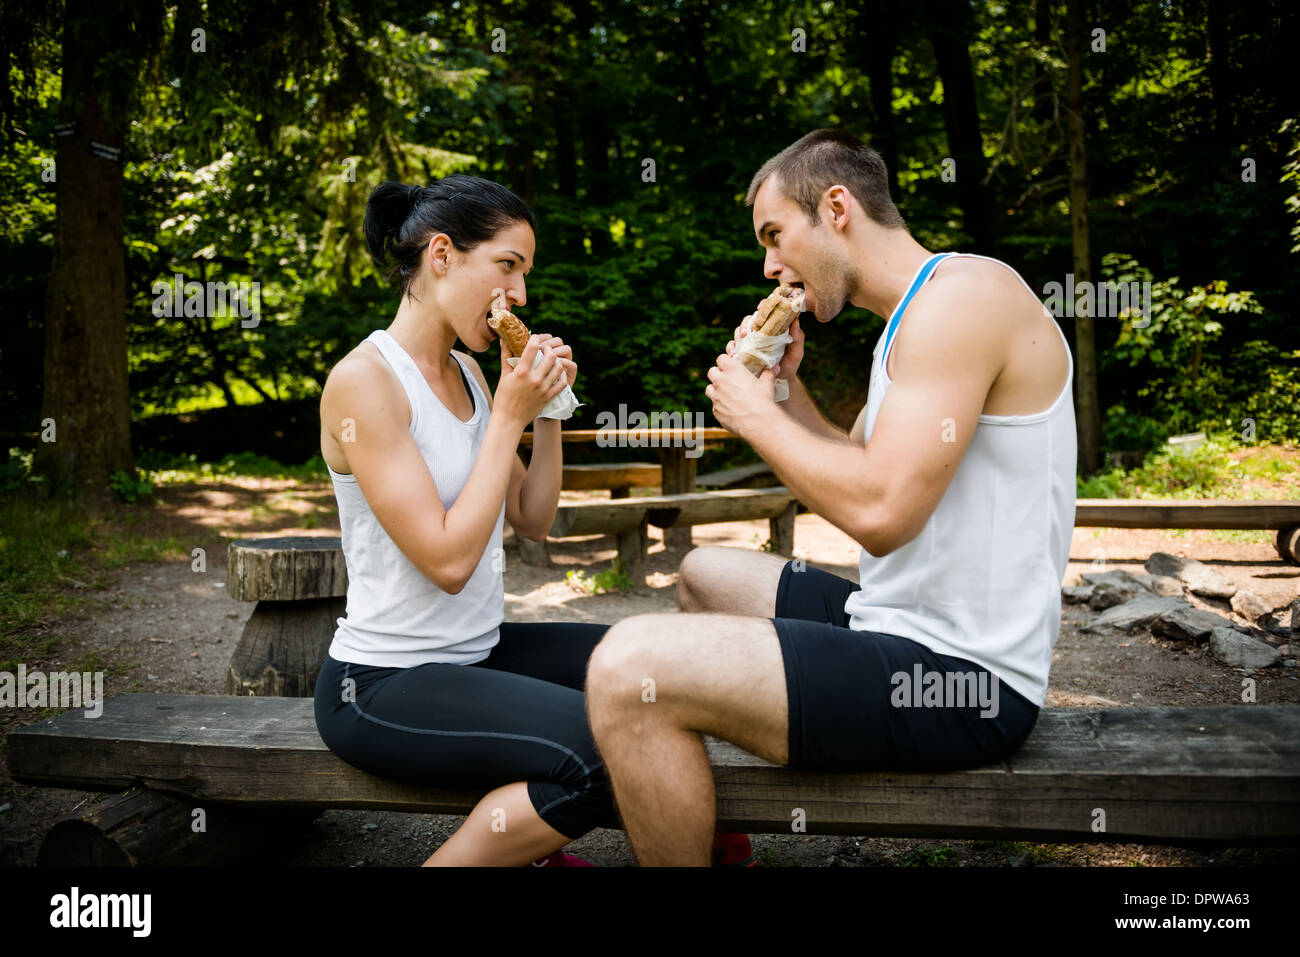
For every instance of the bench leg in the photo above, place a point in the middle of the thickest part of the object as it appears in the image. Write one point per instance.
(623, 492)
(632, 547)
(781, 530)
(534, 553)
(1288, 544)
(141, 827)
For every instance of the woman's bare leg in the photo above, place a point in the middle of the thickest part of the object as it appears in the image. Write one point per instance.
(503, 830)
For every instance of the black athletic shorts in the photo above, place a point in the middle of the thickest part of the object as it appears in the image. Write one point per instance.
(866, 701)
(518, 715)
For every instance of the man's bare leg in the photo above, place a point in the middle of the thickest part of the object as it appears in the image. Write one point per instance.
(734, 581)
(655, 684)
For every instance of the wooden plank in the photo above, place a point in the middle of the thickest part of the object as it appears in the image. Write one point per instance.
(627, 475)
(1159, 774)
(286, 569)
(728, 505)
(624, 437)
(1182, 513)
(728, 478)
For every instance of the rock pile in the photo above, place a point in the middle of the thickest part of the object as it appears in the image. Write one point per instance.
(1254, 637)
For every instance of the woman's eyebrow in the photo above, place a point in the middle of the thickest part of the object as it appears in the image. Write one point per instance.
(520, 257)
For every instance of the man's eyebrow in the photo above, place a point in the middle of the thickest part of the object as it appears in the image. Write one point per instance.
(762, 230)
(519, 256)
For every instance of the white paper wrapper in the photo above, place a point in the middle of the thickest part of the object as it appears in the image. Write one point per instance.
(563, 405)
(769, 349)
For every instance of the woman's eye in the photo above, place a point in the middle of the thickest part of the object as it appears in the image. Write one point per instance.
(508, 263)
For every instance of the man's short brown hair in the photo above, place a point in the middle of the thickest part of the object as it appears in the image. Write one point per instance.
(825, 158)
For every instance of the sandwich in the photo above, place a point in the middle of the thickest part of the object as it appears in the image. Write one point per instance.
(507, 325)
(772, 318)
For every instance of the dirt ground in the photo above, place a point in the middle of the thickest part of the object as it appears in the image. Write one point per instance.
(163, 627)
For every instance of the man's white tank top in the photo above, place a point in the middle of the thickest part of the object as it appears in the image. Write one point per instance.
(396, 616)
(982, 581)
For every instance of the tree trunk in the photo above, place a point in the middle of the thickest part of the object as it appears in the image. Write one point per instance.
(1087, 408)
(880, 32)
(950, 30)
(85, 366)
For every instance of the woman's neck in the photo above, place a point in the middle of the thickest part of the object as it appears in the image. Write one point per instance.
(426, 339)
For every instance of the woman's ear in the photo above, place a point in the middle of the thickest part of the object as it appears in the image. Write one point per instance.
(438, 249)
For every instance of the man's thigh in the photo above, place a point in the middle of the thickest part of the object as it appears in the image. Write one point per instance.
(717, 674)
(732, 581)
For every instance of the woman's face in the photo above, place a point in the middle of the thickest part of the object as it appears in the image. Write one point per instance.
(471, 281)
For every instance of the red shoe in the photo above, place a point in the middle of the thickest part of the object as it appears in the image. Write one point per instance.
(560, 859)
(733, 850)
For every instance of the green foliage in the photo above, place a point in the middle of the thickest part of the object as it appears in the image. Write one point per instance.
(612, 579)
(131, 488)
(1204, 472)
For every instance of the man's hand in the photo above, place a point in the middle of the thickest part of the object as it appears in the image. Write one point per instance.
(739, 398)
(790, 359)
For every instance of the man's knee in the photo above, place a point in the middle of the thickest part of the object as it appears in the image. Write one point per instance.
(619, 666)
(694, 578)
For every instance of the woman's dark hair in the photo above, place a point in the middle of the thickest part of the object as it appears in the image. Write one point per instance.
(401, 219)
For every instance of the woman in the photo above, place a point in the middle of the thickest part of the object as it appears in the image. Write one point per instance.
(424, 682)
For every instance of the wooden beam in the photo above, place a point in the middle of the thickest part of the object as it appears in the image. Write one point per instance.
(629, 475)
(1228, 773)
(625, 438)
(1182, 513)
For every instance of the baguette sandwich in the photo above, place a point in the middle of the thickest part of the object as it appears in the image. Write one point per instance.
(772, 318)
(507, 325)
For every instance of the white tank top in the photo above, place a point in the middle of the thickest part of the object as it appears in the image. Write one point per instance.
(982, 581)
(396, 616)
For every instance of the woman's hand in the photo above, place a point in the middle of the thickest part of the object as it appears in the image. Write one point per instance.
(789, 364)
(522, 392)
(564, 354)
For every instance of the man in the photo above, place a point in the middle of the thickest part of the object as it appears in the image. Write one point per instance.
(958, 481)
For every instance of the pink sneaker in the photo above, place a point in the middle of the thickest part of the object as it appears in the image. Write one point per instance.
(560, 859)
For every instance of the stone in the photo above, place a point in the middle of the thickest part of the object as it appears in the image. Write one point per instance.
(1284, 650)
(1076, 594)
(1162, 563)
(1241, 651)
(1106, 595)
(1134, 613)
(1249, 605)
(1199, 577)
(1182, 622)
(1116, 576)
(1295, 615)
(1166, 585)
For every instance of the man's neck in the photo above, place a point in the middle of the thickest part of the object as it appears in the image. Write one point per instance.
(890, 260)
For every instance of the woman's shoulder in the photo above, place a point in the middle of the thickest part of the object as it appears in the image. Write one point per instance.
(362, 372)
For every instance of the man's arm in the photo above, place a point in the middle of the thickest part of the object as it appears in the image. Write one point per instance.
(948, 353)
(803, 410)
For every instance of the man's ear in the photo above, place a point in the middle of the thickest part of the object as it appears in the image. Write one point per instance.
(840, 204)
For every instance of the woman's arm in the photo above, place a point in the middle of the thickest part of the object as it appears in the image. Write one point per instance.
(534, 494)
(445, 544)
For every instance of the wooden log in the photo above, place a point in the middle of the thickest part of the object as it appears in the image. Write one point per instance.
(781, 530)
(704, 508)
(1182, 513)
(140, 827)
(622, 476)
(1288, 544)
(678, 478)
(633, 544)
(744, 476)
(533, 553)
(282, 647)
(597, 518)
(286, 569)
(1227, 773)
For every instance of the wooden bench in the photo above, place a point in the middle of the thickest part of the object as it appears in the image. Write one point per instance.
(1282, 515)
(619, 479)
(629, 519)
(1158, 774)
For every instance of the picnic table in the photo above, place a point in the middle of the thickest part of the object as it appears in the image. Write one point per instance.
(677, 468)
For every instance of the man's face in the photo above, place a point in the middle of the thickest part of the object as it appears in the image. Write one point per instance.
(800, 253)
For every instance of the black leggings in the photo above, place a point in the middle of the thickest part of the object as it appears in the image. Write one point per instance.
(518, 715)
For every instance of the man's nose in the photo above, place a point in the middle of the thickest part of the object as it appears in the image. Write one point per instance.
(771, 266)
